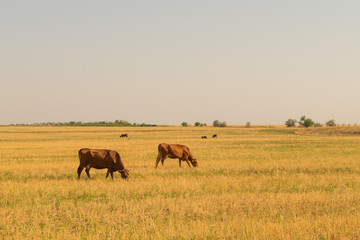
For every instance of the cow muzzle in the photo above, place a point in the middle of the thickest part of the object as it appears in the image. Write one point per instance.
(124, 173)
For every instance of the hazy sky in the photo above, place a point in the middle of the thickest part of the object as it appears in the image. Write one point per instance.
(166, 62)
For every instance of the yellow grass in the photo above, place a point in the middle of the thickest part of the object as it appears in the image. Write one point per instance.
(252, 183)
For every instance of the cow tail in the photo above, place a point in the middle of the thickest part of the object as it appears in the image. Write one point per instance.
(79, 155)
(80, 168)
(161, 150)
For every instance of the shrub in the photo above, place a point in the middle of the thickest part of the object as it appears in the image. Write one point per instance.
(248, 124)
(306, 122)
(317, 124)
(291, 122)
(184, 124)
(197, 124)
(330, 123)
(217, 123)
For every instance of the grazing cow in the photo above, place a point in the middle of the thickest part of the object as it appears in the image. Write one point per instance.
(100, 159)
(124, 135)
(204, 137)
(214, 136)
(181, 152)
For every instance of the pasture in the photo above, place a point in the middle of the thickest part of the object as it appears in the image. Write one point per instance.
(251, 183)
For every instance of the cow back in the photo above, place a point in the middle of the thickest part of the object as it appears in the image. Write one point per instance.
(101, 158)
(173, 150)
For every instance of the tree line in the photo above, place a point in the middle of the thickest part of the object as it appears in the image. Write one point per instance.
(216, 123)
(308, 122)
(116, 123)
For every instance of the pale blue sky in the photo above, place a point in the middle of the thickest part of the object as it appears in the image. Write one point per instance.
(165, 62)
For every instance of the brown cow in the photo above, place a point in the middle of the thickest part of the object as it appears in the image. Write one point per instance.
(181, 152)
(100, 159)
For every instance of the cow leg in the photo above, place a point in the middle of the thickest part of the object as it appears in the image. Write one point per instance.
(179, 162)
(87, 171)
(187, 161)
(185, 158)
(112, 175)
(157, 160)
(107, 174)
(80, 168)
(162, 161)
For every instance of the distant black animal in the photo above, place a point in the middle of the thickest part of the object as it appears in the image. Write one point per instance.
(124, 135)
(204, 137)
(214, 136)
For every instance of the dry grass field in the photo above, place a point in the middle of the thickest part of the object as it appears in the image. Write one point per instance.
(251, 183)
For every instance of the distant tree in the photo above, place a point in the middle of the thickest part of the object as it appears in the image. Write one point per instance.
(330, 123)
(217, 123)
(248, 124)
(199, 124)
(291, 122)
(184, 124)
(306, 122)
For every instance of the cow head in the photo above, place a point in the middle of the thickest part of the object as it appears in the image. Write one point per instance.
(124, 173)
(194, 162)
